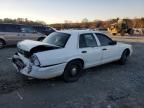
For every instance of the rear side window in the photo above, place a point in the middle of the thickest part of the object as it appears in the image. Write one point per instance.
(9, 28)
(87, 40)
(104, 40)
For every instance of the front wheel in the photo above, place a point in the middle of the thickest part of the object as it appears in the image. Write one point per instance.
(114, 34)
(2, 43)
(122, 33)
(72, 71)
(123, 58)
(130, 31)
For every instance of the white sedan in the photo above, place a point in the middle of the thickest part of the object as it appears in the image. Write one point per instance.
(67, 53)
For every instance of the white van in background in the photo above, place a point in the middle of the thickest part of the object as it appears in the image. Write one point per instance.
(10, 34)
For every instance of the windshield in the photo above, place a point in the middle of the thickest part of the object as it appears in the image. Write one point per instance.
(57, 38)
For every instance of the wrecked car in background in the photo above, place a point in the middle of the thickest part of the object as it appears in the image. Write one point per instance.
(67, 53)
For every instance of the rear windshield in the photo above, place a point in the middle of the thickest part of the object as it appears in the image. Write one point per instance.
(57, 39)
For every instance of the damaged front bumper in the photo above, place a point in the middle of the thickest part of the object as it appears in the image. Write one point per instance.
(20, 64)
(25, 67)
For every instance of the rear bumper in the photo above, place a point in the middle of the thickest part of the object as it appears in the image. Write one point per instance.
(30, 70)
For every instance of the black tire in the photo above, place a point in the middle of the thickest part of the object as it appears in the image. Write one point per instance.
(122, 33)
(72, 71)
(124, 56)
(2, 43)
(114, 34)
(130, 31)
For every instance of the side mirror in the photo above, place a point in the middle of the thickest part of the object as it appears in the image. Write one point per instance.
(113, 43)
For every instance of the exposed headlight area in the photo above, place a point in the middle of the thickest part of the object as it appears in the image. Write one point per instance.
(34, 59)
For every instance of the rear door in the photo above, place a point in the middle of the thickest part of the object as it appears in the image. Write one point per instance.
(89, 50)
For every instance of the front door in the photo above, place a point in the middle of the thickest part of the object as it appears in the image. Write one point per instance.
(109, 52)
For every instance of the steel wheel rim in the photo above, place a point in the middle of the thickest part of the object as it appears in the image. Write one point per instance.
(74, 71)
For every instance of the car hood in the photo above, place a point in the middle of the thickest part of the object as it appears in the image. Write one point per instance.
(28, 45)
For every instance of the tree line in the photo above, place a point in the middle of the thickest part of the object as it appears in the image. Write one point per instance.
(21, 21)
(134, 23)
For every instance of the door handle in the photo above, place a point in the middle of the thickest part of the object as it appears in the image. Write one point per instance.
(84, 52)
(104, 49)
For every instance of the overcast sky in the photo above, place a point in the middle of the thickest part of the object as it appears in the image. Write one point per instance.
(56, 11)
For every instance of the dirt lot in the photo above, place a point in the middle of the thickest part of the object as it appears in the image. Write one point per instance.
(106, 86)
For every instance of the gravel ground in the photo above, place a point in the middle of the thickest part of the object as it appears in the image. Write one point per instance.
(106, 86)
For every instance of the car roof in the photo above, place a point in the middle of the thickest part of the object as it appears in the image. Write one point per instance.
(79, 31)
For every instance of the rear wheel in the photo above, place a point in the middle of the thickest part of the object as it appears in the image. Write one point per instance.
(2, 43)
(72, 71)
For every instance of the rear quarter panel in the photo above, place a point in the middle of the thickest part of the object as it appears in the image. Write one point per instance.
(56, 56)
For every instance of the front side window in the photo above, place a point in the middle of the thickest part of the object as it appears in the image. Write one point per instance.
(104, 40)
(57, 38)
(87, 40)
